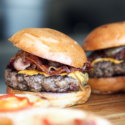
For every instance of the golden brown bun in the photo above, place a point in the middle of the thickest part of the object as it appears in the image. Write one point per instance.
(59, 99)
(50, 44)
(107, 85)
(105, 36)
(53, 116)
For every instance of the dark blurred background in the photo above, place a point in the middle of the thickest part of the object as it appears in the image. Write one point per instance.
(75, 18)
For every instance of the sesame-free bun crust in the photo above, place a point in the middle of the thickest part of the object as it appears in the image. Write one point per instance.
(105, 36)
(107, 85)
(50, 44)
(59, 99)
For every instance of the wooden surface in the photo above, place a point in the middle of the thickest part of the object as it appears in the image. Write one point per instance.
(111, 107)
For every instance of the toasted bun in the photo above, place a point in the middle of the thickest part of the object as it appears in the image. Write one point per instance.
(52, 116)
(59, 99)
(105, 36)
(50, 44)
(107, 85)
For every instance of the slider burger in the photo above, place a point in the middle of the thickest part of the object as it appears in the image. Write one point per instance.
(108, 58)
(50, 64)
(27, 109)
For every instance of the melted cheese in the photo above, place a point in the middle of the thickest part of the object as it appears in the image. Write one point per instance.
(82, 77)
(32, 72)
(107, 59)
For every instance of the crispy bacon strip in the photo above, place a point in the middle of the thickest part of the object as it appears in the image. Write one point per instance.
(45, 67)
(72, 69)
(88, 65)
(11, 62)
(39, 64)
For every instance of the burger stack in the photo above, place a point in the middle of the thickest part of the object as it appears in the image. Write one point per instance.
(49, 64)
(107, 44)
(50, 70)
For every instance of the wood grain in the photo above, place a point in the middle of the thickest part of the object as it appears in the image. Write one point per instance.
(111, 107)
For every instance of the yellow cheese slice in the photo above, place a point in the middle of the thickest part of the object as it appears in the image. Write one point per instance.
(82, 76)
(32, 72)
(107, 59)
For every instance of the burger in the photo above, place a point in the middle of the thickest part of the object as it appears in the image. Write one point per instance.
(107, 44)
(49, 64)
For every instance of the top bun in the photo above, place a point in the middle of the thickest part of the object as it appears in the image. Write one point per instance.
(105, 36)
(50, 44)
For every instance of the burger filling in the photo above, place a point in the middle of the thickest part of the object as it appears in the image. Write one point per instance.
(31, 73)
(108, 62)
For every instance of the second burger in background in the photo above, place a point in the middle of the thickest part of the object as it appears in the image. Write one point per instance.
(50, 64)
(108, 58)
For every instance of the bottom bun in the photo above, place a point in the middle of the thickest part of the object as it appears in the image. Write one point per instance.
(107, 85)
(59, 99)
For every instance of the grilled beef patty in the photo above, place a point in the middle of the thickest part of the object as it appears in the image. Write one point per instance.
(38, 83)
(107, 69)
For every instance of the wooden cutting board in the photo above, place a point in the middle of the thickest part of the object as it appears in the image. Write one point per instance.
(111, 107)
